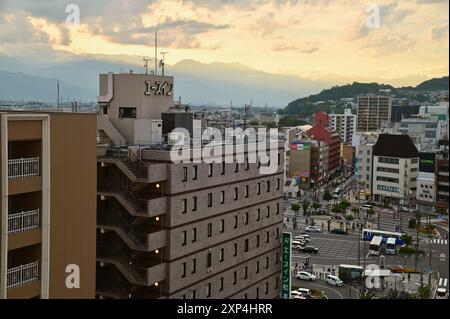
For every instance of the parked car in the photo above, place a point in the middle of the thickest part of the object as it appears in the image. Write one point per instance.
(306, 292)
(295, 293)
(313, 229)
(397, 269)
(334, 281)
(309, 249)
(339, 231)
(302, 238)
(303, 275)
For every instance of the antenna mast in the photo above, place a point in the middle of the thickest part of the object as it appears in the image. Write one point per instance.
(163, 60)
(57, 94)
(156, 49)
(146, 60)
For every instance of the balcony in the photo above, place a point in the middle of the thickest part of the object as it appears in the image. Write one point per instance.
(22, 275)
(23, 221)
(443, 173)
(23, 168)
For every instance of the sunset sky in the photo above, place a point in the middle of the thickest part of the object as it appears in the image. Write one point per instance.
(314, 39)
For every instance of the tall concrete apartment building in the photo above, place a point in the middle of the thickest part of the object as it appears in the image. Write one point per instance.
(344, 124)
(48, 186)
(373, 112)
(170, 230)
(365, 160)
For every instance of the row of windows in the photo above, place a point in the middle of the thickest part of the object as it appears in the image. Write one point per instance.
(184, 206)
(223, 170)
(388, 188)
(387, 179)
(388, 170)
(209, 288)
(184, 233)
(388, 160)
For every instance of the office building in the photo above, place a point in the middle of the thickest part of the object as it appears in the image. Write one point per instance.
(442, 183)
(395, 170)
(320, 132)
(399, 112)
(344, 124)
(168, 230)
(425, 133)
(48, 219)
(374, 113)
(365, 158)
(426, 182)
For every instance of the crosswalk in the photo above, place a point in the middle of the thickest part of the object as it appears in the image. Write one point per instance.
(345, 249)
(389, 223)
(439, 241)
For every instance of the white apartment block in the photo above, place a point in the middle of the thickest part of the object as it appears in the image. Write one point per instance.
(344, 124)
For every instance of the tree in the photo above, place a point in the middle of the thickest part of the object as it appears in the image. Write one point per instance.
(349, 217)
(369, 213)
(316, 205)
(327, 196)
(412, 223)
(343, 205)
(355, 211)
(407, 239)
(305, 206)
(295, 208)
(336, 209)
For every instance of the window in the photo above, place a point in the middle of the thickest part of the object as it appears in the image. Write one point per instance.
(388, 188)
(222, 254)
(267, 288)
(183, 270)
(194, 172)
(277, 259)
(222, 197)
(246, 245)
(210, 170)
(127, 112)
(268, 212)
(278, 184)
(414, 160)
(245, 272)
(209, 230)
(276, 282)
(258, 215)
(267, 262)
(194, 234)
(388, 160)
(235, 221)
(246, 218)
(278, 233)
(236, 168)
(105, 110)
(184, 206)
(193, 294)
(223, 168)
(184, 238)
(194, 203)
(194, 266)
(247, 165)
(268, 186)
(184, 174)
(267, 236)
(235, 278)
(278, 208)
(257, 267)
(236, 193)
(278, 158)
(258, 188)
(209, 260)
(221, 284)
(387, 179)
(235, 249)
(257, 241)
(388, 170)
(208, 290)
(246, 191)
(210, 200)
(222, 225)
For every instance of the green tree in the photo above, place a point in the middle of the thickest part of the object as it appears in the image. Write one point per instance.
(369, 213)
(355, 211)
(327, 196)
(412, 223)
(295, 207)
(316, 205)
(407, 239)
(349, 217)
(305, 206)
(336, 209)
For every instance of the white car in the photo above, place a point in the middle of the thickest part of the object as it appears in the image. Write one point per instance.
(334, 281)
(295, 293)
(303, 275)
(313, 229)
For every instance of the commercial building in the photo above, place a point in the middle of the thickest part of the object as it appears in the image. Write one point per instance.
(399, 112)
(426, 182)
(425, 133)
(320, 132)
(374, 113)
(344, 124)
(442, 183)
(395, 169)
(186, 230)
(48, 216)
(348, 158)
(365, 160)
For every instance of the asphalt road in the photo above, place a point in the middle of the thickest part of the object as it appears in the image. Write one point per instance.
(332, 292)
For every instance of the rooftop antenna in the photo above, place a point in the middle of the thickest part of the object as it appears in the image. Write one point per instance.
(162, 63)
(146, 61)
(156, 49)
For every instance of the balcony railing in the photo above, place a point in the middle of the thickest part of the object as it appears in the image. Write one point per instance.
(23, 274)
(23, 221)
(23, 167)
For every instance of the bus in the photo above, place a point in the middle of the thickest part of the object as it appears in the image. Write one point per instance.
(375, 245)
(368, 234)
(350, 272)
(391, 246)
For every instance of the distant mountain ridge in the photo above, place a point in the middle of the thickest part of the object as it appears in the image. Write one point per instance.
(309, 104)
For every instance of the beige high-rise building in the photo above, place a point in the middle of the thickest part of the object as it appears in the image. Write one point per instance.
(48, 187)
(374, 112)
(168, 230)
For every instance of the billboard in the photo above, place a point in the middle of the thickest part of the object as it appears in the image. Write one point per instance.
(286, 266)
(427, 162)
(300, 146)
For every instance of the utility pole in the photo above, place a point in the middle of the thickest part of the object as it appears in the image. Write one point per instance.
(359, 247)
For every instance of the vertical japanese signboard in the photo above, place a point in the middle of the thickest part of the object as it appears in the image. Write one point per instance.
(286, 266)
